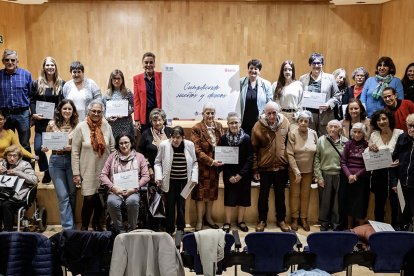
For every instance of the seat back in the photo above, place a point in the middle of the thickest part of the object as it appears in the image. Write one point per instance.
(390, 249)
(269, 250)
(190, 249)
(330, 249)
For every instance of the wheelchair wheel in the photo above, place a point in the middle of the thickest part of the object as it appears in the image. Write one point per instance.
(42, 220)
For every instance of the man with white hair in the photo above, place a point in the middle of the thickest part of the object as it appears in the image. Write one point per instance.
(15, 84)
(270, 163)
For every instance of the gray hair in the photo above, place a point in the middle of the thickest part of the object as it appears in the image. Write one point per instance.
(96, 102)
(335, 122)
(272, 104)
(233, 114)
(209, 105)
(9, 52)
(359, 126)
(306, 114)
(157, 112)
(360, 70)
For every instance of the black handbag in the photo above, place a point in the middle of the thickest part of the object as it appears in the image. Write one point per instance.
(156, 202)
(7, 186)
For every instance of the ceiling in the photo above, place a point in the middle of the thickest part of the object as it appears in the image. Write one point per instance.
(335, 2)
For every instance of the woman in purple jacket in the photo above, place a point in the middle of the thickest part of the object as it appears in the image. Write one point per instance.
(352, 164)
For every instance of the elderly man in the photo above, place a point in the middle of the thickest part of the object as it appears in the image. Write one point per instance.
(15, 86)
(400, 108)
(147, 92)
(270, 163)
(320, 82)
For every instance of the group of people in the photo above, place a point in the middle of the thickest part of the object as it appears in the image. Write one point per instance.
(280, 141)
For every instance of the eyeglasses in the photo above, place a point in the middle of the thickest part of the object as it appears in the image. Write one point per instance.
(12, 155)
(410, 126)
(96, 111)
(316, 63)
(9, 59)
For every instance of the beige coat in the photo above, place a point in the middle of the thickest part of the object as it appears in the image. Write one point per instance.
(85, 161)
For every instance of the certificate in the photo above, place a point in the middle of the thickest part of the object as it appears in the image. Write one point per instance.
(227, 155)
(313, 99)
(380, 226)
(377, 160)
(116, 108)
(55, 140)
(187, 189)
(126, 180)
(46, 109)
(187, 87)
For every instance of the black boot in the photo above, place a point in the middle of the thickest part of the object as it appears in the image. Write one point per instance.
(46, 177)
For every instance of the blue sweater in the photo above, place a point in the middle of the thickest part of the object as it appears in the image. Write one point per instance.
(372, 104)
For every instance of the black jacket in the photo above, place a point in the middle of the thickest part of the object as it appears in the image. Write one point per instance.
(404, 152)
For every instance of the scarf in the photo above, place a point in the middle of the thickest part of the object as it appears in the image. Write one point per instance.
(97, 138)
(211, 130)
(132, 163)
(235, 139)
(383, 83)
(158, 136)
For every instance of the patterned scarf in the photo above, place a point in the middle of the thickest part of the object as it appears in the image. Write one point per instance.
(97, 138)
(235, 140)
(383, 83)
(158, 136)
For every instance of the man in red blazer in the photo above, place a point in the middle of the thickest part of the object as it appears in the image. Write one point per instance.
(400, 108)
(147, 92)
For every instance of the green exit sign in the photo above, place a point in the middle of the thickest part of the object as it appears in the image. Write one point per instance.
(1, 39)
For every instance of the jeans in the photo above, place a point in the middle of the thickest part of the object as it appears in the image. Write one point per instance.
(114, 208)
(21, 123)
(278, 179)
(61, 173)
(42, 162)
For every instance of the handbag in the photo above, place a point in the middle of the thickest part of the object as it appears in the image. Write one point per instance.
(7, 186)
(156, 202)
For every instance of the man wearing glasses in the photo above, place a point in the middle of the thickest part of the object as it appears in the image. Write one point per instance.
(15, 85)
(318, 81)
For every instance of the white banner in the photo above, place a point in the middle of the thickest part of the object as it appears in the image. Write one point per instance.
(187, 87)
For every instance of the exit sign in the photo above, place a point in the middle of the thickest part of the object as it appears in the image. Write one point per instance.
(1, 39)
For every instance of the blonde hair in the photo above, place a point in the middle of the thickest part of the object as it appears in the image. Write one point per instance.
(13, 149)
(42, 81)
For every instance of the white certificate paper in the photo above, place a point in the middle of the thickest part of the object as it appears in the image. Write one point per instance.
(313, 99)
(227, 155)
(126, 180)
(116, 108)
(401, 198)
(55, 140)
(380, 226)
(187, 189)
(46, 109)
(377, 160)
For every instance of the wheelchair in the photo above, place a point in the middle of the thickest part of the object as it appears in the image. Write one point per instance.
(143, 217)
(39, 217)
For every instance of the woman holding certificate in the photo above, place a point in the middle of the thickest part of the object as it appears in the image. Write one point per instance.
(237, 177)
(46, 93)
(14, 165)
(124, 163)
(118, 92)
(175, 168)
(384, 136)
(91, 144)
(301, 149)
(206, 135)
(60, 165)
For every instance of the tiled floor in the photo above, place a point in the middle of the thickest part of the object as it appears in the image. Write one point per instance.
(356, 270)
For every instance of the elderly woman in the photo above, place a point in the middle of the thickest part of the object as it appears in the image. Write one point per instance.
(12, 164)
(327, 170)
(237, 177)
(301, 148)
(60, 166)
(118, 92)
(80, 89)
(255, 92)
(372, 93)
(91, 144)
(357, 188)
(342, 81)
(384, 136)
(206, 135)
(288, 92)
(321, 82)
(175, 167)
(355, 113)
(125, 159)
(359, 75)
(404, 154)
(152, 137)
(408, 82)
(48, 88)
